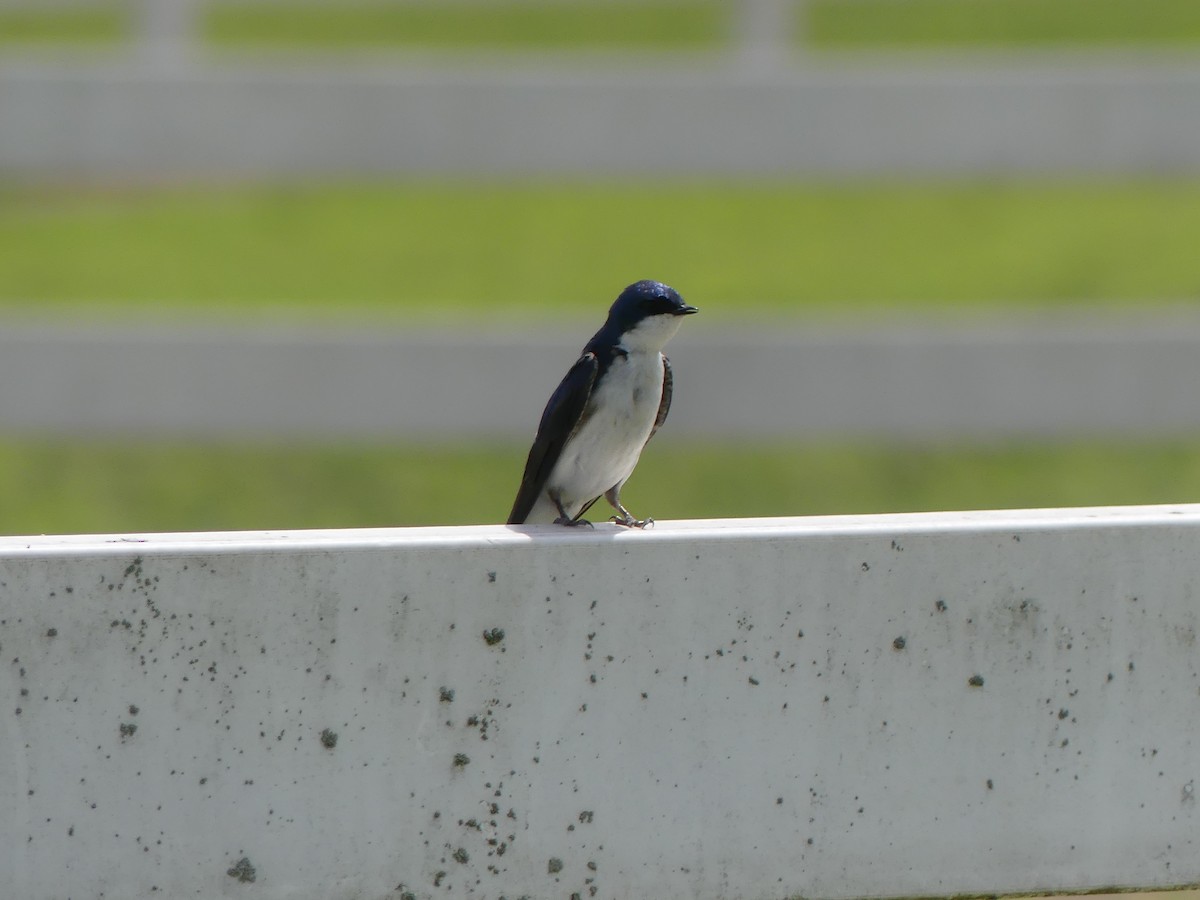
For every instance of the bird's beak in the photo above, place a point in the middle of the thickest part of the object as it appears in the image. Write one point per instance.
(686, 310)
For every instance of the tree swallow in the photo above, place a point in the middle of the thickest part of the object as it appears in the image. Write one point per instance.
(608, 406)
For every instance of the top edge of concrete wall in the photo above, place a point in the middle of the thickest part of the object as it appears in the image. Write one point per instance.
(703, 530)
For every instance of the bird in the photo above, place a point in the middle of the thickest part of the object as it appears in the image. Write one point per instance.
(596, 423)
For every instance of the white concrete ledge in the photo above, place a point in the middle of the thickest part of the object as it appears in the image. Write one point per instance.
(901, 705)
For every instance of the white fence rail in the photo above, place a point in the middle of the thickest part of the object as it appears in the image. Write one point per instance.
(1114, 376)
(959, 703)
(246, 120)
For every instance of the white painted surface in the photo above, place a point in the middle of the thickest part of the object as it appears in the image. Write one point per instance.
(1112, 375)
(652, 719)
(167, 31)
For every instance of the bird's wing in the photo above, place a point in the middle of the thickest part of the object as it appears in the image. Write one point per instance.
(559, 420)
(664, 405)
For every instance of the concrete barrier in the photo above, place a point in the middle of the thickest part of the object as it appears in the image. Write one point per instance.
(935, 704)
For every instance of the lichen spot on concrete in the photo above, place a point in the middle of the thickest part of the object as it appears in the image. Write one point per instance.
(461, 760)
(329, 739)
(554, 866)
(243, 870)
(975, 681)
(493, 636)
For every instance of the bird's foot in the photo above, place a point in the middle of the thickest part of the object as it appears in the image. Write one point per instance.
(573, 523)
(630, 522)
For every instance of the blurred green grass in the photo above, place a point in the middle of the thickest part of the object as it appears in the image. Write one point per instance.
(659, 25)
(662, 25)
(493, 249)
(682, 24)
(106, 486)
(71, 25)
(836, 24)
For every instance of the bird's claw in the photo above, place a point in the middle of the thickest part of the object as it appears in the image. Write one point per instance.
(573, 523)
(630, 522)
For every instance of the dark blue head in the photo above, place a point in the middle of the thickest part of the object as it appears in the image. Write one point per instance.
(644, 300)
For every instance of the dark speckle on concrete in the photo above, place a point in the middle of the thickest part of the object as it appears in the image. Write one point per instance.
(243, 870)
(899, 643)
(329, 739)
(52, 632)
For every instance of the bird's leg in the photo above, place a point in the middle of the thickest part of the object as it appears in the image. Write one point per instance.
(613, 496)
(564, 519)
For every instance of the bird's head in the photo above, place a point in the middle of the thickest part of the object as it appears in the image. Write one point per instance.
(646, 315)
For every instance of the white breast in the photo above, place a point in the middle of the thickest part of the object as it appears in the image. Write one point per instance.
(620, 416)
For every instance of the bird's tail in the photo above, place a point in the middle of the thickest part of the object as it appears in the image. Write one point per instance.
(535, 511)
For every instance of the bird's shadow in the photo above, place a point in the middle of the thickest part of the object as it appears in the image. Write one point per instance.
(599, 531)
